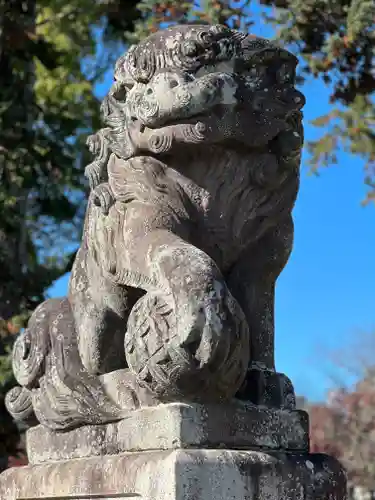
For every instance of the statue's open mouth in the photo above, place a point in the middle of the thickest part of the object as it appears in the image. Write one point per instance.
(228, 126)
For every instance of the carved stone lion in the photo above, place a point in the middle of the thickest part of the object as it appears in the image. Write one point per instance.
(188, 226)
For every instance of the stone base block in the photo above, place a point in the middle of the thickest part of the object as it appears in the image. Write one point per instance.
(177, 425)
(180, 475)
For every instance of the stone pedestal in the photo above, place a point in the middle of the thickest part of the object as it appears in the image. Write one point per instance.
(175, 426)
(180, 475)
(179, 452)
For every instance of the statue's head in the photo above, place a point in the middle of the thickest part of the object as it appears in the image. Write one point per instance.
(226, 80)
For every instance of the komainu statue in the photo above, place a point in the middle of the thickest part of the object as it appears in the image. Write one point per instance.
(188, 226)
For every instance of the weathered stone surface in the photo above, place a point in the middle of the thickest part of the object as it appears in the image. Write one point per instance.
(176, 425)
(188, 226)
(180, 475)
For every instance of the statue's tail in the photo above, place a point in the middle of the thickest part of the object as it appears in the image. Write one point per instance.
(19, 404)
(55, 389)
(31, 347)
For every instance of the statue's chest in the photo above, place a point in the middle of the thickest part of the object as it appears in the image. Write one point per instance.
(232, 207)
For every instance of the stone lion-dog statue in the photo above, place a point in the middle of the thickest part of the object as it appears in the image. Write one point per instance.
(188, 226)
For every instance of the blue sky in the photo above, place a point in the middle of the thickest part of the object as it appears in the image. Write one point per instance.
(325, 295)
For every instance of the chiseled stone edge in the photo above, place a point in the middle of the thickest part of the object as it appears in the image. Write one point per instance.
(181, 475)
(173, 426)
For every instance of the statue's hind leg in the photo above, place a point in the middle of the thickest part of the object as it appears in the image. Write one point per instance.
(252, 282)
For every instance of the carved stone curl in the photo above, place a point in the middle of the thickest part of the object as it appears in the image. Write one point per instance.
(188, 225)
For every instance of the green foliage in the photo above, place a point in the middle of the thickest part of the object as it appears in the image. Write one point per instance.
(8, 331)
(51, 56)
(336, 42)
(9, 435)
(351, 130)
(6, 375)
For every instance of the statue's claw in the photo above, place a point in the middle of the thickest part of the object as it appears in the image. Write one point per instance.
(93, 174)
(103, 197)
